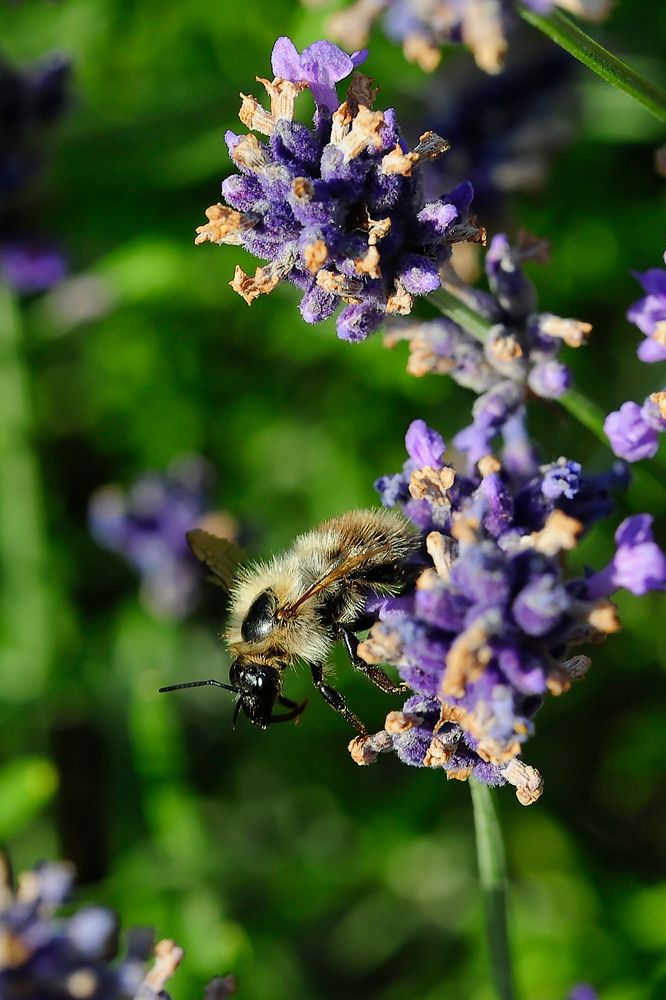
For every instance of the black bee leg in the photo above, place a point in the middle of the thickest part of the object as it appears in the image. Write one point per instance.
(378, 677)
(334, 698)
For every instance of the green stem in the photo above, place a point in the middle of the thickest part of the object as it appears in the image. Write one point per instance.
(602, 62)
(460, 313)
(492, 876)
(27, 595)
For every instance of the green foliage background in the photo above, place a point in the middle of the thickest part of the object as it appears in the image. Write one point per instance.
(272, 855)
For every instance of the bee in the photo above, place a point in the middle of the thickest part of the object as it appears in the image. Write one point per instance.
(299, 604)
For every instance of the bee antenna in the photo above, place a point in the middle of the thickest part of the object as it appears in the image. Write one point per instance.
(196, 684)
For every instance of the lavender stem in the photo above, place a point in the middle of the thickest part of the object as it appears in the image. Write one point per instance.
(569, 36)
(492, 875)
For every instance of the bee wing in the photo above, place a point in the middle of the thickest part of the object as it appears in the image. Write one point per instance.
(337, 573)
(221, 556)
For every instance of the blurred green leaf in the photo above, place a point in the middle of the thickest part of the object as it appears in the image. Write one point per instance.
(27, 786)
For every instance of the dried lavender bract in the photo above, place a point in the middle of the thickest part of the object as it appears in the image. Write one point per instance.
(338, 209)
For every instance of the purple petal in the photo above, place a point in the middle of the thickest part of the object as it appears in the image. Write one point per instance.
(424, 445)
(419, 275)
(325, 62)
(629, 435)
(650, 351)
(357, 322)
(635, 530)
(286, 61)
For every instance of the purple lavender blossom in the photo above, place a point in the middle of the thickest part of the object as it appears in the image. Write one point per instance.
(31, 268)
(649, 315)
(338, 210)
(493, 623)
(31, 100)
(638, 565)
(49, 957)
(518, 357)
(631, 436)
(146, 525)
(423, 26)
(319, 66)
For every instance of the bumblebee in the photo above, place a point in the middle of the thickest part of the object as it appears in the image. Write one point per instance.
(299, 604)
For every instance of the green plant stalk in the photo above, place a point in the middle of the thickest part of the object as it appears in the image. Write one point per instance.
(26, 598)
(492, 877)
(569, 36)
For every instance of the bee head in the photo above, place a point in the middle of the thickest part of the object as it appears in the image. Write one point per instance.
(258, 686)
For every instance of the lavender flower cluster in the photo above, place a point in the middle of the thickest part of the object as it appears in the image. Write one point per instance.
(495, 623)
(634, 430)
(338, 210)
(519, 356)
(424, 26)
(47, 957)
(31, 100)
(146, 525)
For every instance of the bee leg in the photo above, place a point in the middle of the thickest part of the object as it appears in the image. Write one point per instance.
(334, 698)
(378, 677)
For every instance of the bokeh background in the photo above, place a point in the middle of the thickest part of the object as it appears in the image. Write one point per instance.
(271, 854)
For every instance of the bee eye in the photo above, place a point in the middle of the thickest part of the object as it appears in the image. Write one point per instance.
(259, 620)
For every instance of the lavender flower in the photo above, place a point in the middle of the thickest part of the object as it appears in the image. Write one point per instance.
(423, 26)
(519, 356)
(633, 430)
(31, 100)
(146, 526)
(494, 621)
(338, 210)
(46, 957)
(649, 315)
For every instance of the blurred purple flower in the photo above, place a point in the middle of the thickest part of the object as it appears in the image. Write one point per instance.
(31, 100)
(146, 525)
(493, 623)
(649, 315)
(338, 210)
(638, 565)
(423, 26)
(31, 268)
(49, 957)
(583, 992)
(504, 129)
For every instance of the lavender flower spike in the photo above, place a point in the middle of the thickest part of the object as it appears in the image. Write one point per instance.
(493, 623)
(337, 210)
(320, 66)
